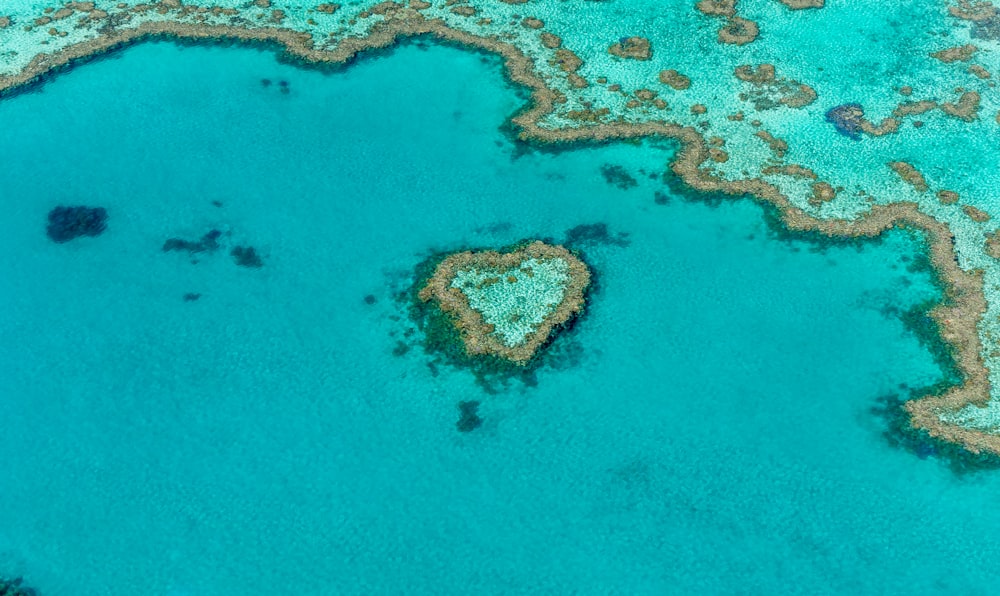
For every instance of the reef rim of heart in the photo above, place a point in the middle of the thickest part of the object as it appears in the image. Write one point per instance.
(507, 304)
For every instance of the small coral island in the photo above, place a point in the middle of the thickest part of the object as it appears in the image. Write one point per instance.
(507, 304)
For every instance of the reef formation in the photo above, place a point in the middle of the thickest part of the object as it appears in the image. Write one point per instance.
(799, 135)
(16, 587)
(508, 304)
(67, 223)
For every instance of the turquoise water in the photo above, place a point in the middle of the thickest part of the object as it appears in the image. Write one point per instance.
(711, 433)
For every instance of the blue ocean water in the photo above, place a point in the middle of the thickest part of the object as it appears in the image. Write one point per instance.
(712, 432)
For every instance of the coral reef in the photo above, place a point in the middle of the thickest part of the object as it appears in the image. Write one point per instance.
(567, 120)
(15, 587)
(246, 256)
(909, 174)
(849, 120)
(674, 79)
(966, 108)
(507, 304)
(207, 243)
(597, 234)
(67, 223)
(637, 48)
(468, 418)
(738, 31)
(768, 91)
(618, 176)
(957, 53)
(801, 4)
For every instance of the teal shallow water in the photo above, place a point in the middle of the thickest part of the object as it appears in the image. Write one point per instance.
(714, 433)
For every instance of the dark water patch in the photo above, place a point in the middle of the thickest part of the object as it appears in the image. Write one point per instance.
(207, 243)
(191, 296)
(16, 587)
(987, 29)
(370, 299)
(498, 228)
(265, 83)
(468, 418)
(246, 256)
(847, 119)
(67, 223)
(217, 203)
(661, 198)
(618, 176)
(598, 234)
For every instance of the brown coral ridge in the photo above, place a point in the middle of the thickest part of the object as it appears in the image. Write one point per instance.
(957, 316)
(738, 31)
(768, 91)
(636, 48)
(850, 119)
(717, 8)
(674, 79)
(791, 170)
(966, 108)
(776, 145)
(909, 174)
(569, 63)
(973, 11)
(955, 54)
(802, 4)
(477, 335)
(993, 244)
(822, 193)
(976, 214)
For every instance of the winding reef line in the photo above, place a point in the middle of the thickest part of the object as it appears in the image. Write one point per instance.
(957, 317)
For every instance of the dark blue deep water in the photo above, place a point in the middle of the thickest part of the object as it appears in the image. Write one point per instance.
(706, 428)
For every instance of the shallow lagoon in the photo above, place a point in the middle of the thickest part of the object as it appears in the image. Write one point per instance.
(709, 428)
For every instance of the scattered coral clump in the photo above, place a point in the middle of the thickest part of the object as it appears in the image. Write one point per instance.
(67, 223)
(637, 48)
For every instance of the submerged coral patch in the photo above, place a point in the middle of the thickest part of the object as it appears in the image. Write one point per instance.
(67, 223)
(618, 176)
(596, 234)
(246, 256)
(15, 587)
(508, 304)
(207, 243)
(468, 419)
(847, 119)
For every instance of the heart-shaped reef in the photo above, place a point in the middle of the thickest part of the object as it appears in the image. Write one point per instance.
(508, 304)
